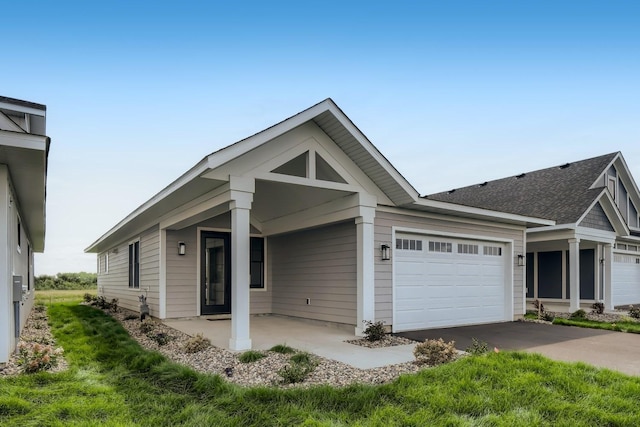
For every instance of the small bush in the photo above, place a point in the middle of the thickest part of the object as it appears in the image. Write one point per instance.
(547, 317)
(88, 297)
(303, 357)
(477, 348)
(39, 307)
(578, 315)
(131, 317)
(598, 307)
(282, 349)
(251, 356)
(434, 352)
(147, 327)
(197, 343)
(38, 357)
(159, 337)
(538, 306)
(374, 331)
(634, 312)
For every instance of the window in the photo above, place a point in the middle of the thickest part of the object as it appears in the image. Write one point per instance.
(612, 187)
(409, 244)
(256, 259)
(492, 250)
(19, 234)
(440, 247)
(105, 266)
(134, 264)
(464, 248)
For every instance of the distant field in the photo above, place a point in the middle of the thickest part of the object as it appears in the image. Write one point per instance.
(60, 296)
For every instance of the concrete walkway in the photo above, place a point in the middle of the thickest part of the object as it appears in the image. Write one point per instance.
(607, 349)
(325, 341)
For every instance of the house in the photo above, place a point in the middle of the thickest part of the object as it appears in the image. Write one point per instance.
(592, 252)
(24, 149)
(308, 219)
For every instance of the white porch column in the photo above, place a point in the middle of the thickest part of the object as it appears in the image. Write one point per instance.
(608, 268)
(574, 274)
(241, 197)
(365, 268)
(162, 282)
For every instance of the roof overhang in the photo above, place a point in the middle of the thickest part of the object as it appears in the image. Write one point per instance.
(26, 156)
(195, 182)
(479, 213)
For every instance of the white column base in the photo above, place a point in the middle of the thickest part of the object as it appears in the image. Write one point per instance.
(238, 344)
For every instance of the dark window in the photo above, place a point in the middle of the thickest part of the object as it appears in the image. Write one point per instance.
(134, 265)
(530, 276)
(550, 274)
(587, 274)
(19, 234)
(257, 263)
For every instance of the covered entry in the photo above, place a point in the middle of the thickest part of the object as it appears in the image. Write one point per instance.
(442, 281)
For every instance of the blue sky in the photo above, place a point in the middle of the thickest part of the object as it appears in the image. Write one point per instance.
(452, 93)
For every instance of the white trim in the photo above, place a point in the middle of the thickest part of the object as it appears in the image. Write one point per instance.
(24, 140)
(162, 282)
(482, 212)
(441, 216)
(465, 236)
(23, 109)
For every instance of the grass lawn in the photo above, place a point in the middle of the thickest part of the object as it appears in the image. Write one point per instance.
(52, 296)
(632, 327)
(113, 381)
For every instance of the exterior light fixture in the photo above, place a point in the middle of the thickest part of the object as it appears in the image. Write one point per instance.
(521, 260)
(386, 252)
(182, 248)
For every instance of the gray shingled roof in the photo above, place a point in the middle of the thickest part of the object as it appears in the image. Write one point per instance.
(559, 193)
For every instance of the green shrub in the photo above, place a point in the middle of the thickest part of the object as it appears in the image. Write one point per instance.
(67, 281)
(302, 357)
(251, 356)
(598, 307)
(434, 352)
(295, 373)
(147, 327)
(37, 357)
(282, 349)
(578, 315)
(197, 343)
(88, 297)
(374, 331)
(477, 347)
(159, 337)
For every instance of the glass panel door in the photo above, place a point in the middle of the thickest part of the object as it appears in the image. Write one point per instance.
(215, 279)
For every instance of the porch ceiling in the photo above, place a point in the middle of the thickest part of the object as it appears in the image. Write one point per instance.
(273, 200)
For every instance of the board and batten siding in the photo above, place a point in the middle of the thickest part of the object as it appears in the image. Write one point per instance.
(115, 282)
(319, 264)
(383, 223)
(183, 274)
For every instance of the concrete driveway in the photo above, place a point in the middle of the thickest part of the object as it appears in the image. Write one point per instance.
(614, 350)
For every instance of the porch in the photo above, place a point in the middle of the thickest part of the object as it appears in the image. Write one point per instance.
(324, 340)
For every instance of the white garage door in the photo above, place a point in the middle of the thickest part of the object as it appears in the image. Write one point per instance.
(442, 282)
(626, 279)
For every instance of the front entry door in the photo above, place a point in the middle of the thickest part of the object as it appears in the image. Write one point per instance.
(215, 274)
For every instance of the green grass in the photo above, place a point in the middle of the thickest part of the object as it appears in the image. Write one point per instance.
(251, 356)
(283, 349)
(51, 296)
(632, 327)
(112, 381)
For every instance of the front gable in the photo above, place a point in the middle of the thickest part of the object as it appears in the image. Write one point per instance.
(617, 179)
(597, 218)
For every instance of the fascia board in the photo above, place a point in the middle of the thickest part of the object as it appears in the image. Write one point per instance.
(483, 212)
(187, 177)
(24, 140)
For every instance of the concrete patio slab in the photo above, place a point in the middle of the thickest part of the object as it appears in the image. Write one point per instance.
(605, 349)
(322, 340)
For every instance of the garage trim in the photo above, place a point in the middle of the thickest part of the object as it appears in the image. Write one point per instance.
(508, 273)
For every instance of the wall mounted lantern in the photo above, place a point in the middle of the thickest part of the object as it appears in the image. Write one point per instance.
(521, 260)
(182, 248)
(386, 252)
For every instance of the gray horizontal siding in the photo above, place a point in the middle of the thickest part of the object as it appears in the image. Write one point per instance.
(383, 224)
(319, 264)
(115, 282)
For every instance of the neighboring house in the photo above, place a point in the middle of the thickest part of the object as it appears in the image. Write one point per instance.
(23, 177)
(307, 219)
(592, 253)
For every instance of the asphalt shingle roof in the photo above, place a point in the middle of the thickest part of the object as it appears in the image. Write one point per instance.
(559, 193)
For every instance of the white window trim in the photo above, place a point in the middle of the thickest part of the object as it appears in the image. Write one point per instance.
(131, 242)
